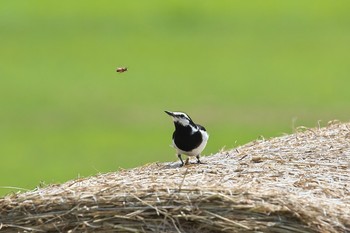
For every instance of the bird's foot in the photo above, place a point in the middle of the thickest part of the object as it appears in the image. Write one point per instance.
(200, 162)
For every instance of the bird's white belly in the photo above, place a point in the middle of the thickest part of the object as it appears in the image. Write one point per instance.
(197, 150)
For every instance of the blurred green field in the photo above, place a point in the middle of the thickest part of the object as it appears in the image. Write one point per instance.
(241, 68)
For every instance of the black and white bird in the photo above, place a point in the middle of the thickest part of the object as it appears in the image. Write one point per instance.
(188, 138)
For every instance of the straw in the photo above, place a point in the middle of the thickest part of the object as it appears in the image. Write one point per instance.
(294, 183)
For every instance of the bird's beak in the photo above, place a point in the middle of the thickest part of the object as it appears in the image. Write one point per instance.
(169, 113)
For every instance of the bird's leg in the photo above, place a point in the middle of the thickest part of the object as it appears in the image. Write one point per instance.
(182, 162)
(198, 160)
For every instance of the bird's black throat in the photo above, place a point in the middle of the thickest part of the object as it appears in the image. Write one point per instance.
(184, 137)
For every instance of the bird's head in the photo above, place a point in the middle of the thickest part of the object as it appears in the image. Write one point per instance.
(181, 118)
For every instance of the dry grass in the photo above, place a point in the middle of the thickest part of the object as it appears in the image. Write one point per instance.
(294, 183)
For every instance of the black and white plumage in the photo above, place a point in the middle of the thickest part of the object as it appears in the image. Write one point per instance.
(188, 138)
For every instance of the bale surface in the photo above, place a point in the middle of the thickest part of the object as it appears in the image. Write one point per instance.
(293, 183)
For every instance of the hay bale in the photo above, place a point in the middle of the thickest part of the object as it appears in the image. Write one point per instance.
(293, 183)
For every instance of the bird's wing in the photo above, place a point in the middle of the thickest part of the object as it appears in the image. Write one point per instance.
(201, 127)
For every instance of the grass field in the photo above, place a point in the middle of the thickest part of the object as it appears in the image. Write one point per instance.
(242, 69)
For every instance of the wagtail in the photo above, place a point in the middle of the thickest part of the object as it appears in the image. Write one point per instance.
(188, 138)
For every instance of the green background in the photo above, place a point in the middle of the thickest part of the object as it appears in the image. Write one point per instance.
(241, 68)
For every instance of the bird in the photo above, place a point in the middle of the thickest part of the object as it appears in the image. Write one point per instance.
(189, 138)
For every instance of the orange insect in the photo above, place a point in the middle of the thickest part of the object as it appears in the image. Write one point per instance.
(122, 69)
